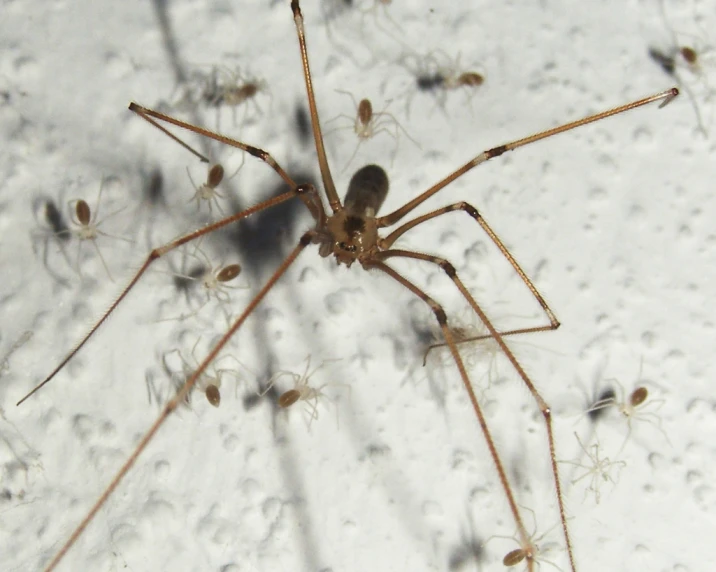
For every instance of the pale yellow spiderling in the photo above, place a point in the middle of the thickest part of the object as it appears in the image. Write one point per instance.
(86, 223)
(302, 390)
(598, 469)
(210, 380)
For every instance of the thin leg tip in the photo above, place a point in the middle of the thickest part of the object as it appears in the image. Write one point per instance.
(669, 96)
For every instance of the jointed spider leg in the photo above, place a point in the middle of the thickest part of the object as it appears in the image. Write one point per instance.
(158, 253)
(180, 397)
(387, 242)
(449, 269)
(390, 219)
(442, 321)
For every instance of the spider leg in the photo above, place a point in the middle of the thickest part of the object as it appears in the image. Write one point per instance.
(181, 394)
(155, 255)
(554, 323)
(545, 409)
(390, 219)
(377, 263)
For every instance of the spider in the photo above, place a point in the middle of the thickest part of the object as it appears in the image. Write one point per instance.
(301, 391)
(368, 123)
(215, 282)
(209, 382)
(349, 233)
(598, 469)
(532, 549)
(436, 73)
(207, 192)
(86, 226)
(636, 406)
(234, 88)
(686, 60)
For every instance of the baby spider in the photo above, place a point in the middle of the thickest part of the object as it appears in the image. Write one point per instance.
(302, 391)
(532, 550)
(367, 124)
(232, 88)
(210, 380)
(208, 191)
(87, 226)
(690, 58)
(682, 55)
(437, 73)
(215, 282)
(634, 408)
(599, 470)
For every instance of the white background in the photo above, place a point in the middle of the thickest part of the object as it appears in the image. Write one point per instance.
(614, 222)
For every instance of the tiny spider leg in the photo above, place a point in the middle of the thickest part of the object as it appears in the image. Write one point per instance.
(87, 225)
(367, 124)
(17, 344)
(378, 9)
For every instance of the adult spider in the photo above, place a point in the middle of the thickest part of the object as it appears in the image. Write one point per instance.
(350, 234)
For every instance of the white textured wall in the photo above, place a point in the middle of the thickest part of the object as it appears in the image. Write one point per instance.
(614, 222)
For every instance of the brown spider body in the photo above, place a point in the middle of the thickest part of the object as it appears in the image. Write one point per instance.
(212, 395)
(351, 234)
(514, 557)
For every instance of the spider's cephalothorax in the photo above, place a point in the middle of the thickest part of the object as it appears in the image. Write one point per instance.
(352, 231)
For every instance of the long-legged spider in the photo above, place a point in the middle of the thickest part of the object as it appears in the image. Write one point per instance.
(689, 59)
(350, 233)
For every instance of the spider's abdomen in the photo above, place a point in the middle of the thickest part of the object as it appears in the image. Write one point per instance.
(367, 191)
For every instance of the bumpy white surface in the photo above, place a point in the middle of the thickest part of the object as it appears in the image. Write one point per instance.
(614, 222)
